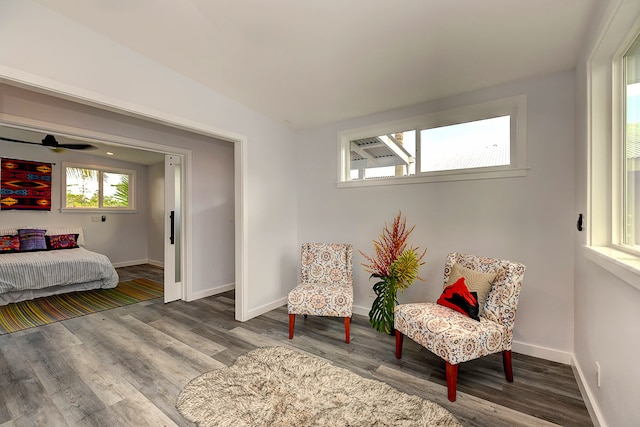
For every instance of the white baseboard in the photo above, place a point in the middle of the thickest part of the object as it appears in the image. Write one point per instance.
(266, 308)
(156, 263)
(542, 352)
(363, 311)
(138, 262)
(130, 263)
(209, 292)
(587, 395)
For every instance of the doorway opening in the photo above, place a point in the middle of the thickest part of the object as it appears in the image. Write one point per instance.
(93, 122)
(172, 259)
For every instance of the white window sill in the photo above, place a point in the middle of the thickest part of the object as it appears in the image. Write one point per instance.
(459, 175)
(624, 265)
(98, 210)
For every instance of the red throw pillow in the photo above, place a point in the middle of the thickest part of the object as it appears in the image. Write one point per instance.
(61, 241)
(9, 244)
(458, 298)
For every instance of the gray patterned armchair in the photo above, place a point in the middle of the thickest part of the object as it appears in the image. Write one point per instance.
(456, 337)
(326, 288)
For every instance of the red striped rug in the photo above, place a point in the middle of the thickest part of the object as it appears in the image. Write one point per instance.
(42, 311)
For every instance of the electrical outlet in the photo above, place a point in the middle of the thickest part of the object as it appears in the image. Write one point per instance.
(598, 374)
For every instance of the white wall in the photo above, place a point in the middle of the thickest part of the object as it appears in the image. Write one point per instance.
(529, 219)
(122, 237)
(607, 309)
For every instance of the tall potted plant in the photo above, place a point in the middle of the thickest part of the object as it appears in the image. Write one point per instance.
(396, 266)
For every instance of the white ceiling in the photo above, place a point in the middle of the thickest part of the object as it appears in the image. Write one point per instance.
(118, 152)
(312, 62)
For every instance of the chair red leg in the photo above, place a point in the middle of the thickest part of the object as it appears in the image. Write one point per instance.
(506, 361)
(347, 329)
(399, 340)
(292, 322)
(452, 379)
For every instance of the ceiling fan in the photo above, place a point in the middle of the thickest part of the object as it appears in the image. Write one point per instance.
(50, 142)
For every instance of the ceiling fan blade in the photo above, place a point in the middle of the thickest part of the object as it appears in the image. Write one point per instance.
(17, 140)
(50, 141)
(77, 146)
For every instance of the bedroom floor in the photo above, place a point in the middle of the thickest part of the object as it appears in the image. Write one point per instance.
(147, 271)
(126, 366)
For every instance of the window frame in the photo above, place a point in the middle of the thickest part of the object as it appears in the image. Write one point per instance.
(605, 136)
(619, 138)
(101, 170)
(515, 106)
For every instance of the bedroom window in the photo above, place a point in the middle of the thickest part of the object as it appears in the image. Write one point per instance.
(475, 142)
(92, 188)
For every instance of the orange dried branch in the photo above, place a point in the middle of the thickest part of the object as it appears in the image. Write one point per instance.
(391, 244)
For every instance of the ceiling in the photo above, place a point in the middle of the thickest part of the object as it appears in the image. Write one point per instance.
(306, 63)
(118, 152)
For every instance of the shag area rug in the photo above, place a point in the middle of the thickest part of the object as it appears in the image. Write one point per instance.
(276, 386)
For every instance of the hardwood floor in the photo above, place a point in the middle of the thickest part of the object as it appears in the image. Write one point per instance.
(126, 366)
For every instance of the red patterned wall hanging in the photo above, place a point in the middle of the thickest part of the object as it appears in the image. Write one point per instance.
(25, 185)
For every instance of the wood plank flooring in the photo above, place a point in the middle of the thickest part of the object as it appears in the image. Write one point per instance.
(126, 366)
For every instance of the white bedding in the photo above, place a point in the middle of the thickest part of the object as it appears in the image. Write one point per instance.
(24, 274)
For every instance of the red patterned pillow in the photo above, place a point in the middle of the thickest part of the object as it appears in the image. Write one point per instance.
(62, 241)
(458, 297)
(9, 244)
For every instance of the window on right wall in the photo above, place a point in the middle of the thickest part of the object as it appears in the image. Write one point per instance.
(612, 118)
(630, 221)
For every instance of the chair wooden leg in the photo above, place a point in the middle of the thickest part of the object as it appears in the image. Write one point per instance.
(347, 329)
(506, 361)
(292, 322)
(452, 379)
(399, 340)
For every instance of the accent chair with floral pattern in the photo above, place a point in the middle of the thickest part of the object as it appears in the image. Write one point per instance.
(458, 338)
(326, 288)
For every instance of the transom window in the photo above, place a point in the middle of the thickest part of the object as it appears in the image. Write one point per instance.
(477, 144)
(94, 188)
(481, 141)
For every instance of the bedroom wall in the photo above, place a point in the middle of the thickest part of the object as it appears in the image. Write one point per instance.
(86, 66)
(528, 219)
(122, 237)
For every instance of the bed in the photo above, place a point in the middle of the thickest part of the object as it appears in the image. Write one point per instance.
(54, 269)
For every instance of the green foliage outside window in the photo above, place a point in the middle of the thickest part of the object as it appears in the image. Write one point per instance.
(120, 196)
(83, 189)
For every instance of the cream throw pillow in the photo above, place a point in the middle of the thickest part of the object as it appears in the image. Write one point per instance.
(475, 281)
